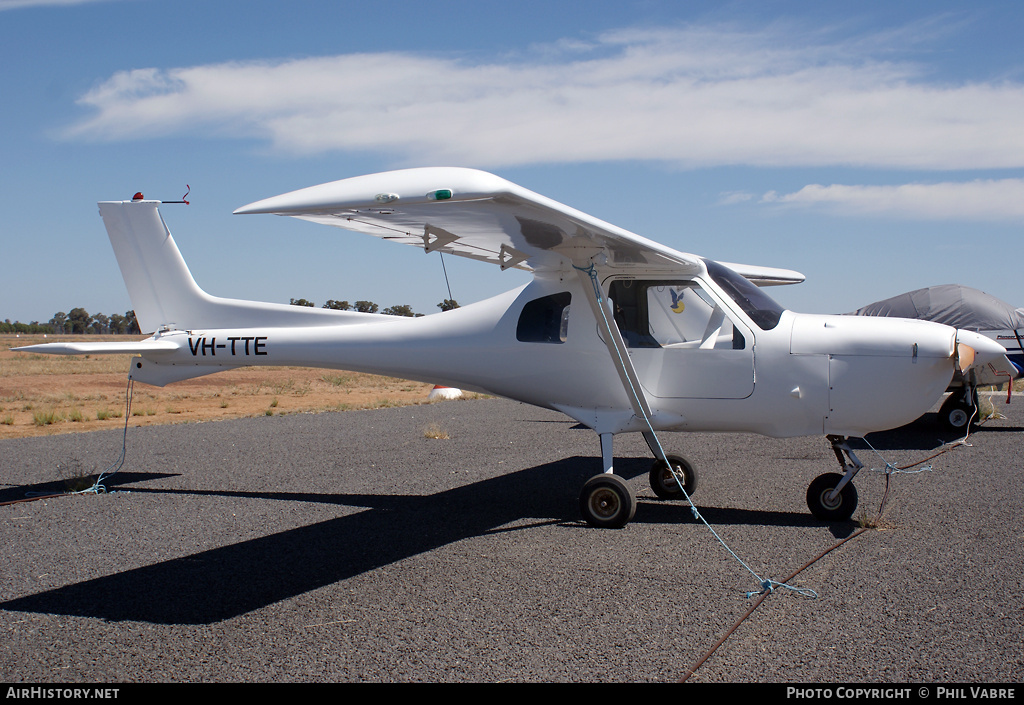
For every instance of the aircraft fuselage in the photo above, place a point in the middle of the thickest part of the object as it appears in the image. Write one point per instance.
(806, 375)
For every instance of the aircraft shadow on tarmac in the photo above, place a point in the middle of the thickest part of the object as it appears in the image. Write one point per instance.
(221, 583)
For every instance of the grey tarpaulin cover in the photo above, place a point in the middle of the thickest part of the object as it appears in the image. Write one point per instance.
(951, 304)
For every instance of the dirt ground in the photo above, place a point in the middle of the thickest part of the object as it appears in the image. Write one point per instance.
(50, 394)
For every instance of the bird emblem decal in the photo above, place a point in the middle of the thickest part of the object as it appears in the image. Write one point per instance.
(677, 301)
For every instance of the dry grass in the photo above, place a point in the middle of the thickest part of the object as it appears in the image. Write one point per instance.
(435, 431)
(48, 394)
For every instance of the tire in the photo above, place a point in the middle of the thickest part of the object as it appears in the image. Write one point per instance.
(607, 502)
(664, 482)
(840, 508)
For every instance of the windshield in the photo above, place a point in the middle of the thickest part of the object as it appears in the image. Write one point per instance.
(762, 309)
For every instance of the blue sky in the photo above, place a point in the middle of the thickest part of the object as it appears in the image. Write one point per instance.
(876, 147)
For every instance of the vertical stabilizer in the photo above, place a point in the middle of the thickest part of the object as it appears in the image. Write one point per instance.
(159, 282)
(164, 294)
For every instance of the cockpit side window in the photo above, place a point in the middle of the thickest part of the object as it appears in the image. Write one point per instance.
(545, 320)
(629, 299)
(678, 314)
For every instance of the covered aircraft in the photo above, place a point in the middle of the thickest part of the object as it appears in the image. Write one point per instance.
(618, 332)
(969, 309)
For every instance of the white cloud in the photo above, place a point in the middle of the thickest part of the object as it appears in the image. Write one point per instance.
(729, 198)
(1000, 200)
(693, 97)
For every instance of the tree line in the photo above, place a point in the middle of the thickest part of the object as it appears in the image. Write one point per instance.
(78, 321)
(370, 307)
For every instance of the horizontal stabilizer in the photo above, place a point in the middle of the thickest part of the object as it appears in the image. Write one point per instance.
(154, 367)
(137, 347)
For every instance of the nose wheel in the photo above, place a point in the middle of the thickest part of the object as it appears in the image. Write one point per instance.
(827, 504)
(832, 496)
(958, 411)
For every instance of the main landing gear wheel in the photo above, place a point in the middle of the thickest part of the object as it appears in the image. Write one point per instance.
(955, 413)
(822, 506)
(664, 482)
(607, 502)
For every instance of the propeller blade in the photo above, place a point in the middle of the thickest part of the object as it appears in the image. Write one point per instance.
(964, 356)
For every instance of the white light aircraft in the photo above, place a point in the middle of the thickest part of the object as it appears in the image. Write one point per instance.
(616, 331)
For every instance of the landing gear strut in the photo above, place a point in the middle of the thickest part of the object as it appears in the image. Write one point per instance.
(606, 500)
(832, 497)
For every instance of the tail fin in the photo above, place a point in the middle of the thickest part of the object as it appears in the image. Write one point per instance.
(159, 283)
(163, 292)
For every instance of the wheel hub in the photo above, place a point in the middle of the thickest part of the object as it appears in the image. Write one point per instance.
(958, 418)
(605, 503)
(829, 501)
(669, 477)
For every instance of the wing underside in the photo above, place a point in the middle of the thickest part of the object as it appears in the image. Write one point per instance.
(480, 216)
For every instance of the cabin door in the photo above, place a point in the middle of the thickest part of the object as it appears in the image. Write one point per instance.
(682, 341)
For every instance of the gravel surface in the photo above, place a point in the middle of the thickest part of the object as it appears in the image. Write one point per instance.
(352, 547)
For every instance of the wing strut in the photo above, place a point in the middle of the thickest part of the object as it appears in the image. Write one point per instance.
(627, 375)
(616, 346)
(624, 366)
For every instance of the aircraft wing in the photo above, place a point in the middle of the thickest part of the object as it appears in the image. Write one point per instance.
(481, 216)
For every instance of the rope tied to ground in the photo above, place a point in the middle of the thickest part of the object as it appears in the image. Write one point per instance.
(98, 487)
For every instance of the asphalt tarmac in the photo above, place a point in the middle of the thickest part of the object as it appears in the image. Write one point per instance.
(345, 547)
